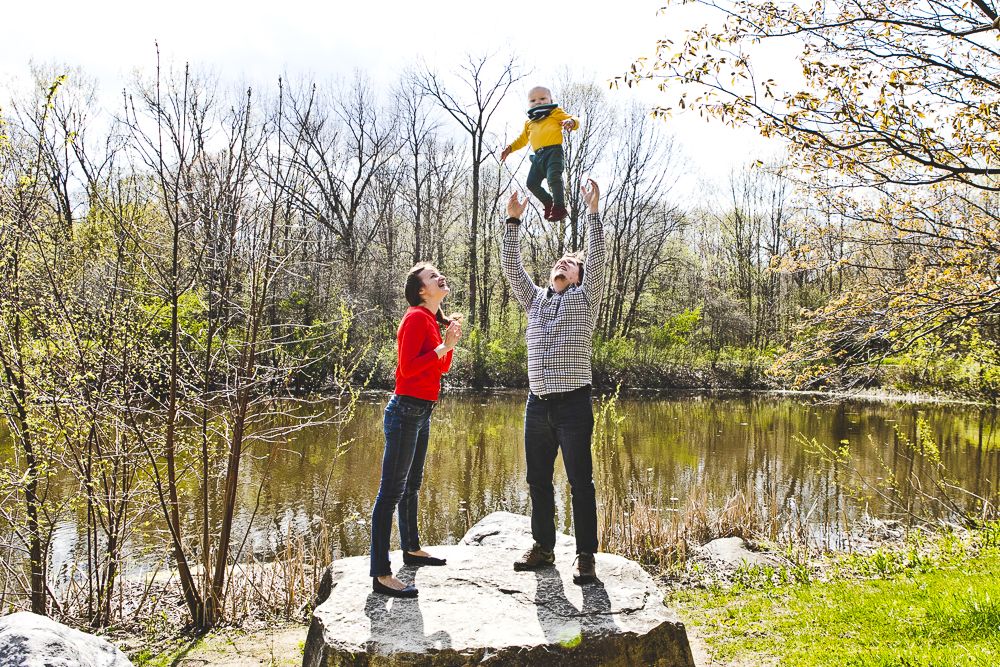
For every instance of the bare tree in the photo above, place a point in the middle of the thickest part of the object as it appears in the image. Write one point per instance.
(419, 129)
(488, 77)
(640, 216)
(339, 139)
(583, 149)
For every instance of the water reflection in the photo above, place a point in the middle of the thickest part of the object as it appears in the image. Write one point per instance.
(718, 444)
(475, 462)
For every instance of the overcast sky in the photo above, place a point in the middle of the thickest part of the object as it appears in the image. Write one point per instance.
(261, 40)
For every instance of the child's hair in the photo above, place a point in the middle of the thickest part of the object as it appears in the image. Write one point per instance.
(534, 88)
(413, 286)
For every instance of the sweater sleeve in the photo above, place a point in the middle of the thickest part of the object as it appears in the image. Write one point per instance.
(446, 361)
(559, 115)
(412, 335)
(521, 141)
(593, 268)
(524, 290)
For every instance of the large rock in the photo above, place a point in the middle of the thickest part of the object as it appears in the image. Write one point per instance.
(509, 531)
(478, 611)
(30, 640)
(731, 553)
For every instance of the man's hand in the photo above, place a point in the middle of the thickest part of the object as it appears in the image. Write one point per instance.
(515, 207)
(591, 195)
(505, 154)
(569, 124)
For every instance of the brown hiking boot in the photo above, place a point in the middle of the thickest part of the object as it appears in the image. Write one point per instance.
(586, 571)
(533, 558)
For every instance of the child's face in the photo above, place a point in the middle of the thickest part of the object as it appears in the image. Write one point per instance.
(537, 96)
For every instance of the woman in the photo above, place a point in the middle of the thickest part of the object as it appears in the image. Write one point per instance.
(422, 357)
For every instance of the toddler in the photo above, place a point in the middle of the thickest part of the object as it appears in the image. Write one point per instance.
(544, 131)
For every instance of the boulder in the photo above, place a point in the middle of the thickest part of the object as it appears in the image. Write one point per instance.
(731, 553)
(30, 640)
(509, 531)
(478, 611)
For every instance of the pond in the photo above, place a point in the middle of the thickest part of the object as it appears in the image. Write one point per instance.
(666, 446)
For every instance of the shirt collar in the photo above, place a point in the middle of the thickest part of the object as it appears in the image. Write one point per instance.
(552, 290)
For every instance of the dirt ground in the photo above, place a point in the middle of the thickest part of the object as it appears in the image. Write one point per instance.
(278, 647)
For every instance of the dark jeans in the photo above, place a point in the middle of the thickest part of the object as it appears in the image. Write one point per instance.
(547, 163)
(407, 427)
(551, 425)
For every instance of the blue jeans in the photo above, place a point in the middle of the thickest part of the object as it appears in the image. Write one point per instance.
(407, 426)
(550, 425)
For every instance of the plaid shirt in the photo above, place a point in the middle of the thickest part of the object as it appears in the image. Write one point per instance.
(560, 324)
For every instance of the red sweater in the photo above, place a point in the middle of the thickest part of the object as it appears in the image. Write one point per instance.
(418, 369)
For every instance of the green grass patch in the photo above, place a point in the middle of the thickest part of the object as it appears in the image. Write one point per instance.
(908, 614)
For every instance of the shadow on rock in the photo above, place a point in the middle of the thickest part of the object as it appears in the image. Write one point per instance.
(561, 621)
(392, 618)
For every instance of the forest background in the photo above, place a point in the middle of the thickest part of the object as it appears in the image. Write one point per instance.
(183, 273)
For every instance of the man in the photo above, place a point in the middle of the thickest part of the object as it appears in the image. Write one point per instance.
(561, 321)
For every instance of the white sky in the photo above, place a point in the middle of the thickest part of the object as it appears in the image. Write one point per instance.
(261, 40)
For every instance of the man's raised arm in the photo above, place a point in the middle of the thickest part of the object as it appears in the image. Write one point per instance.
(510, 255)
(593, 268)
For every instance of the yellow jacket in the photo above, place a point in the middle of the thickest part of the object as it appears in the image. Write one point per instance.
(544, 132)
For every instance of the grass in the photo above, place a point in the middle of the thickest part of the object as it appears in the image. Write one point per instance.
(933, 603)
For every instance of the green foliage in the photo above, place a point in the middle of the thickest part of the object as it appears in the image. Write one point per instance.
(760, 576)
(939, 609)
(676, 330)
(612, 354)
(965, 363)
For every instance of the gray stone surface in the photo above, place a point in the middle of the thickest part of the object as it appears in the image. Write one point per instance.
(30, 640)
(730, 553)
(508, 531)
(478, 611)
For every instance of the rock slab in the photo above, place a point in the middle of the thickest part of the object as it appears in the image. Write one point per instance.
(731, 553)
(30, 640)
(478, 611)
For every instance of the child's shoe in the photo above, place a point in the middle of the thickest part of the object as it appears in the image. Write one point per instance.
(557, 213)
(548, 211)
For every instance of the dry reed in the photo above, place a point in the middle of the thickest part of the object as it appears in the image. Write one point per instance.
(640, 527)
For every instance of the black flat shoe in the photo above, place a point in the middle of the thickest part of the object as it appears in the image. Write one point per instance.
(379, 587)
(410, 559)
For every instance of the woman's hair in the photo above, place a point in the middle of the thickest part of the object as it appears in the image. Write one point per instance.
(414, 283)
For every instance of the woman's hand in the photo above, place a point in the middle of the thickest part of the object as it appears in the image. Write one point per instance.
(452, 334)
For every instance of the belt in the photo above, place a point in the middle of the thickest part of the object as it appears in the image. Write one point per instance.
(558, 396)
(542, 149)
(413, 400)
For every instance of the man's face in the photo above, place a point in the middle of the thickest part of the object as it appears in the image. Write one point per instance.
(565, 272)
(538, 96)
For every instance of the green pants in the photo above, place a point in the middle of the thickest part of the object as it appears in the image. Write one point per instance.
(547, 163)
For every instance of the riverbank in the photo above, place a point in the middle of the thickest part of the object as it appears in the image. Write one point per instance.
(279, 645)
(922, 598)
(906, 598)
